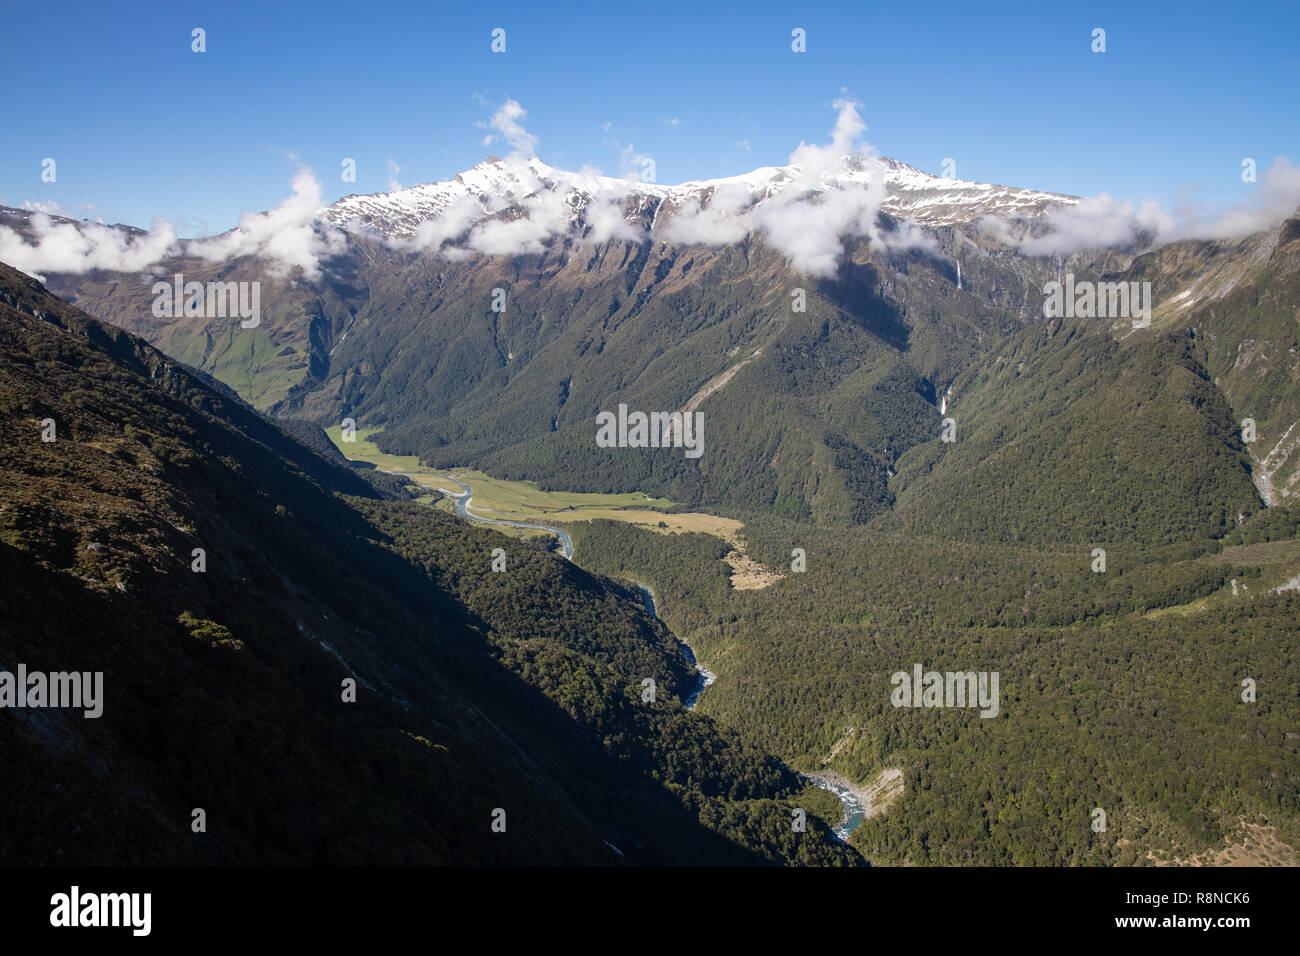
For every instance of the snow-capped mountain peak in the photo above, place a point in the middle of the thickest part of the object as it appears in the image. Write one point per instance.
(495, 185)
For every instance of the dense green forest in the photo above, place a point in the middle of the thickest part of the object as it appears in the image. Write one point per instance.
(225, 687)
(1102, 705)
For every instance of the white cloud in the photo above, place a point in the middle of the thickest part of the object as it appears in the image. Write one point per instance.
(808, 218)
(546, 214)
(604, 213)
(507, 123)
(809, 232)
(818, 161)
(1276, 198)
(607, 220)
(288, 236)
(68, 247)
(547, 210)
(47, 206)
(454, 222)
(631, 164)
(719, 221)
(1098, 222)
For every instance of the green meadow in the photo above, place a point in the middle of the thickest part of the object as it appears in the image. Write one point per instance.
(525, 501)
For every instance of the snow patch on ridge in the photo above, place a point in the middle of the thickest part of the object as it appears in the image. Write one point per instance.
(498, 184)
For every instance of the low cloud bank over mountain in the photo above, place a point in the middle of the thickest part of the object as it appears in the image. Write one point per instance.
(827, 194)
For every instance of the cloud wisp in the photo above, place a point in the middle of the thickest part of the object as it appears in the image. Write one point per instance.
(829, 194)
(289, 237)
(81, 247)
(507, 124)
(1102, 221)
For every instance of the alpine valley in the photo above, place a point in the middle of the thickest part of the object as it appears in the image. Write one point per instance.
(903, 460)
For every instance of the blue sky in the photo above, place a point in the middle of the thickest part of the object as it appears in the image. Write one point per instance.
(141, 127)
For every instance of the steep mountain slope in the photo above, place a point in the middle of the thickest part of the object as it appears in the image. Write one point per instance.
(588, 329)
(1069, 437)
(401, 336)
(224, 689)
(1086, 431)
(1248, 333)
